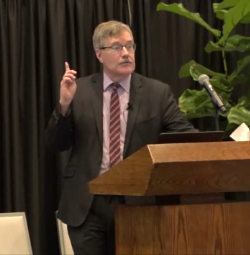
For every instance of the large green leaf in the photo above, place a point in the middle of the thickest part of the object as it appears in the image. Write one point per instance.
(244, 101)
(221, 15)
(233, 17)
(239, 80)
(226, 98)
(246, 20)
(224, 5)
(215, 7)
(182, 11)
(221, 85)
(196, 103)
(234, 43)
(194, 69)
(240, 66)
(239, 115)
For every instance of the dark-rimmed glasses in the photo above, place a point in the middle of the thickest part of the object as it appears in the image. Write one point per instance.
(117, 48)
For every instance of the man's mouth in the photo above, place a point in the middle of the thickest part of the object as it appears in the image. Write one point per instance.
(125, 62)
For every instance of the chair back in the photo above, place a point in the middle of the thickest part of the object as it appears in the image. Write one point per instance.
(64, 241)
(14, 234)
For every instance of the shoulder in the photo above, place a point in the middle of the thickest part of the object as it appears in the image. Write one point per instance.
(150, 83)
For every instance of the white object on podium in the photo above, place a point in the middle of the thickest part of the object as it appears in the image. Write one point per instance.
(242, 133)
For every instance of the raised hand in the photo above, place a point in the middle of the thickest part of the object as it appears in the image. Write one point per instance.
(67, 88)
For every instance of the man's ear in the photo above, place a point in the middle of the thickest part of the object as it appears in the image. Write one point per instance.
(98, 54)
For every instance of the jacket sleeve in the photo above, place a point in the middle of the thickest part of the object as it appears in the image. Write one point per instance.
(173, 118)
(59, 132)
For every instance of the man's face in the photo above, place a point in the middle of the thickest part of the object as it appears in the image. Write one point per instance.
(118, 62)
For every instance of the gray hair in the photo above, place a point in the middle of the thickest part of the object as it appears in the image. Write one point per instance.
(108, 29)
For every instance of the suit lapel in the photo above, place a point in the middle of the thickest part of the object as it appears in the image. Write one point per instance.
(97, 86)
(135, 97)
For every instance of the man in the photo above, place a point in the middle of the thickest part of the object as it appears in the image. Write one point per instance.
(104, 118)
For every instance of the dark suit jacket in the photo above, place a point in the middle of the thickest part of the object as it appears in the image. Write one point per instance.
(154, 110)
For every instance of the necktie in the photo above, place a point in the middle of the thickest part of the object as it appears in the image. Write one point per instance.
(114, 127)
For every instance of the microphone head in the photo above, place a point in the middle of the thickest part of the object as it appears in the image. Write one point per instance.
(202, 78)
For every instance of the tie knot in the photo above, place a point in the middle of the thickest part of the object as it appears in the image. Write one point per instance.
(115, 86)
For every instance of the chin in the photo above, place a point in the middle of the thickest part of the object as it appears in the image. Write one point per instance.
(126, 70)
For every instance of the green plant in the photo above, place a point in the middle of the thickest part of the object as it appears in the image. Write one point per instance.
(197, 103)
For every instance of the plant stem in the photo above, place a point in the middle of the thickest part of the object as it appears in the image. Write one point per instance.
(224, 62)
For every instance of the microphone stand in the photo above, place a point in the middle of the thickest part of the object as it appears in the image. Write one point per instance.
(216, 116)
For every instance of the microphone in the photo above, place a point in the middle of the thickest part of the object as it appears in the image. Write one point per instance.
(204, 81)
(130, 106)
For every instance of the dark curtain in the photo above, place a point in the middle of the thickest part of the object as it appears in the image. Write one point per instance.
(36, 38)
(167, 41)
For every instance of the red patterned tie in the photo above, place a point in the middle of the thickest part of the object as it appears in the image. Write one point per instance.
(114, 127)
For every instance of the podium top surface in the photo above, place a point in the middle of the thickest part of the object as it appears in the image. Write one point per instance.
(199, 152)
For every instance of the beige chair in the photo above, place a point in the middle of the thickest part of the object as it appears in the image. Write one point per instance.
(14, 234)
(64, 241)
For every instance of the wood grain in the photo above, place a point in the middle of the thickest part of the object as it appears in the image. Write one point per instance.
(172, 169)
(186, 229)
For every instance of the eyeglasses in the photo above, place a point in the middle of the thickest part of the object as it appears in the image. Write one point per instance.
(117, 48)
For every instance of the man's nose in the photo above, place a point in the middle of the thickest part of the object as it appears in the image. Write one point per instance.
(124, 51)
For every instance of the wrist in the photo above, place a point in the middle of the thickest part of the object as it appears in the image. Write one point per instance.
(64, 107)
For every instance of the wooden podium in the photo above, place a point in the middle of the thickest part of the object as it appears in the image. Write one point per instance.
(199, 174)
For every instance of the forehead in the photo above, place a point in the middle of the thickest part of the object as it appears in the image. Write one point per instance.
(122, 38)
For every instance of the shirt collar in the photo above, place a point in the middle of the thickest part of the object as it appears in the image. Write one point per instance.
(124, 83)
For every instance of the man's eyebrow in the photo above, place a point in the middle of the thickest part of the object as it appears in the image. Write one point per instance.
(118, 43)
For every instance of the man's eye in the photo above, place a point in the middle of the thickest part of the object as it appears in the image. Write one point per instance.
(116, 47)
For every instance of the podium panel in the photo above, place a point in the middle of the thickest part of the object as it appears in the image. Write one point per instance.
(183, 229)
(200, 173)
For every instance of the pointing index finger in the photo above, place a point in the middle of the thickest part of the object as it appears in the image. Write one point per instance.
(67, 68)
